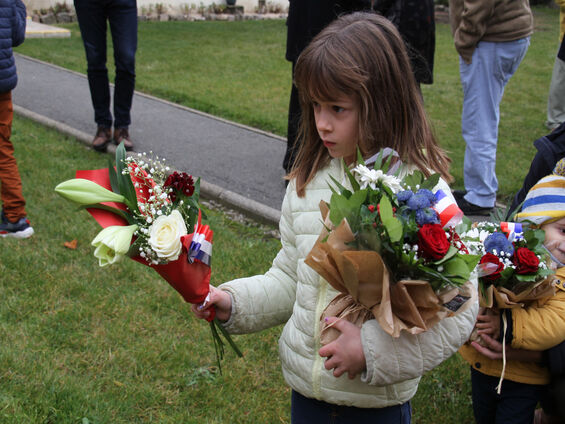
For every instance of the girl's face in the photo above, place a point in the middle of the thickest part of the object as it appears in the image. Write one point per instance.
(555, 239)
(337, 124)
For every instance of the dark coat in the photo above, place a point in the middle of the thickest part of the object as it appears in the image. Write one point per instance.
(550, 149)
(12, 33)
(306, 18)
(415, 20)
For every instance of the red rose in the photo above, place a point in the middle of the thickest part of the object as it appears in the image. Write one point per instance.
(525, 260)
(489, 258)
(181, 183)
(433, 241)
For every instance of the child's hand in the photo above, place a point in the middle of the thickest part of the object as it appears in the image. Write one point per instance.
(488, 322)
(220, 299)
(345, 354)
(493, 350)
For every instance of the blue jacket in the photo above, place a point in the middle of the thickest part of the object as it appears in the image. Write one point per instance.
(12, 33)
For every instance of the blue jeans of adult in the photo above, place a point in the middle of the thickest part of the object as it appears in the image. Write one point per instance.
(93, 16)
(515, 404)
(483, 82)
(304, 410)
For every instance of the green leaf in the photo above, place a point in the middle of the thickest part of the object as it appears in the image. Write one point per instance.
(354, 184)
(430, 182)
(342, 190)
(123, 214)
(393, 225)
(113, 177)
(360, 159)
(124, 181)
(457, 267)
(452, 251)
(342, 207)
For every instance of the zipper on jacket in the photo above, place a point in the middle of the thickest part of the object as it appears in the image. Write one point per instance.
(318, 360)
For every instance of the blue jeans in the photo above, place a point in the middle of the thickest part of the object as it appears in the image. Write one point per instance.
(515, 404)
(483, 82)
(304, 410)
(122, 16)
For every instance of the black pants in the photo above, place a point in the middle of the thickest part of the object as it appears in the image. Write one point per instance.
(122, 16)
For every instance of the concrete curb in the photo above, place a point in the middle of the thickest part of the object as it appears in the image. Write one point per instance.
(254, 210)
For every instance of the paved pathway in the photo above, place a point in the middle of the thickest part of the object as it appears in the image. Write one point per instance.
(239, 166)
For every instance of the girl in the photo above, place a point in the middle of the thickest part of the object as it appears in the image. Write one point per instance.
(357, 91)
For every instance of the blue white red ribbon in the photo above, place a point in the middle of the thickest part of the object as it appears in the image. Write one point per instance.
(447, 209)
(513, 230)
(201, 245)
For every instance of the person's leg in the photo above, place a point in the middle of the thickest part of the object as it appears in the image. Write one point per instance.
(294, 114)
(123, 26)
(517, 402)
(484, 397)
(13, 202)
(483, 86)
(556, 97)
(91, 17)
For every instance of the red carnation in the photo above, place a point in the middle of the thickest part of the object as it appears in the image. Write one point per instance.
(180, 183)
(525, 260)
(489, 258)
(433, 241)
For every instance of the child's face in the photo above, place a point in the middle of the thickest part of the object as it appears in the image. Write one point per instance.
(555, 239)
(337, 124)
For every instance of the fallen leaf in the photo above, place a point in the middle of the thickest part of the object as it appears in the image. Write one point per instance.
(71, 244)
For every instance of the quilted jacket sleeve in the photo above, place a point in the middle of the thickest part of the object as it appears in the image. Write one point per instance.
(263, 301)
(391, 360)
(19, 23)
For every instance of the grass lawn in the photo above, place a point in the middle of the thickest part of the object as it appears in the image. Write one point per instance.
(237, 70)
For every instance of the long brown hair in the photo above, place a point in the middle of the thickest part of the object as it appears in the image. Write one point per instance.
(363, 56)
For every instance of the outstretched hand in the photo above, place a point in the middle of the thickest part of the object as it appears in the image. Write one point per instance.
(220, 299)
(345, 354)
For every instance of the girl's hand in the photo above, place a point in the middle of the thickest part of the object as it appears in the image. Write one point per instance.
(488, 323)
(345, 354)
(220, 299)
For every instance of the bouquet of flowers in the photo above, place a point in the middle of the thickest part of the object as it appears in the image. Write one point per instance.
(390, 249)
(152, 216)
(513, 268)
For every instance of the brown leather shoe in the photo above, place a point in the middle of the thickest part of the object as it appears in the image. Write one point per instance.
(101, 139)
(122, 135)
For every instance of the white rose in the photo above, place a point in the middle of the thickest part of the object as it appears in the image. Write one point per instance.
(165, 234)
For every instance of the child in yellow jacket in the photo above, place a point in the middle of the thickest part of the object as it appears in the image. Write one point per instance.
(535, 328)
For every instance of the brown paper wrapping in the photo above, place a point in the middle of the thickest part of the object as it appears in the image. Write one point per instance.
(366, 292)
(502, 298)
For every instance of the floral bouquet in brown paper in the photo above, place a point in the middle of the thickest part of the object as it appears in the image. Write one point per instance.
(390, 249)
(513, 270)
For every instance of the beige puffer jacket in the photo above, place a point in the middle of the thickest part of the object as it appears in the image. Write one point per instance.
(496, 21)
(292, 292)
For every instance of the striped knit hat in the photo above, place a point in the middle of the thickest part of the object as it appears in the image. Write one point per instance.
(545, 201)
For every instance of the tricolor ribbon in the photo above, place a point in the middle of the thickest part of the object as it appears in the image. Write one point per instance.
(201, 245)
(447, 209)
(513, 230)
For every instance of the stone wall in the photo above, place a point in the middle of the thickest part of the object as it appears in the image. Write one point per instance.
(171, 6)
